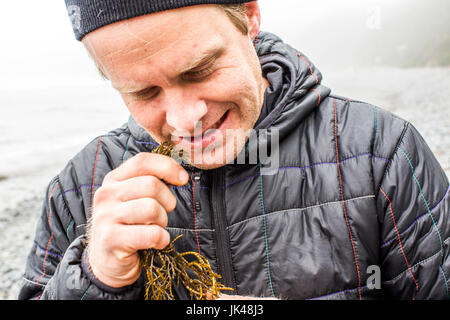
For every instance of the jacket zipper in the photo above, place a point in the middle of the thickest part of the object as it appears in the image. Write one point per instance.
(224, 262)
(196, 178)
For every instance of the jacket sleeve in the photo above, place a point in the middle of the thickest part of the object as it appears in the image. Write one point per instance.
(57, 268)
(414, 212)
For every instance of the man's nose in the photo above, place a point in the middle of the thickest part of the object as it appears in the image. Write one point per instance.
(183, 113)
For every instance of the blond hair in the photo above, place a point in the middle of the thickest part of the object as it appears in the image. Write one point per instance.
(237, 13)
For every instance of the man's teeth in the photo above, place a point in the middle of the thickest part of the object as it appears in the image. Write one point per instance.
(207, 132)
(215, 126)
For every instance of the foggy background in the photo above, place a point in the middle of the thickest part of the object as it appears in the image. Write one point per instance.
(402, 33)
(392, 53)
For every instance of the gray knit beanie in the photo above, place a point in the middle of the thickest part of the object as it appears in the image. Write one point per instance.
(88, 15)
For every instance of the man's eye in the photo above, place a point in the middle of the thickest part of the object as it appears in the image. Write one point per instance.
(199, 75)
(147, 93)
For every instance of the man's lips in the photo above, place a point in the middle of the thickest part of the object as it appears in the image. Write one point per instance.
(208, 131)
(209, 135)
(204, 133)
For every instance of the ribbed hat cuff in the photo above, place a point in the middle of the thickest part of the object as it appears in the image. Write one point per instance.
(88, 15)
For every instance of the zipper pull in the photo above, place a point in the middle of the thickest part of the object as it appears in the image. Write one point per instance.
(196, 191)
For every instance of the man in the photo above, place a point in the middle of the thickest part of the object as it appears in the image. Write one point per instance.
(350, 203)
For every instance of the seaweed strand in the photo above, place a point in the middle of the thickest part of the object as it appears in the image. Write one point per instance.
(165, 268)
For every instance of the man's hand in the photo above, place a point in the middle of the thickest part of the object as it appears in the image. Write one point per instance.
(130, 214)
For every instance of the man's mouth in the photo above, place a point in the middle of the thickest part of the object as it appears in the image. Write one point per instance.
(207, 136)
(208, 131)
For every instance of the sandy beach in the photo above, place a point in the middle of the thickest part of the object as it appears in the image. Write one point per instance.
(41, 131)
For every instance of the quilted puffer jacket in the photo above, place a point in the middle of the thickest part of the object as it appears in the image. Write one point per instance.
(357, 206)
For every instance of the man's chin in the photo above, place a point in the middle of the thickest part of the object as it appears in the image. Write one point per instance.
(208, 163)
(210, 160)
(215, 155)
(207, 166)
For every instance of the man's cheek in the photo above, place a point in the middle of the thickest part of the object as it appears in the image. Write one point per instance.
(227, 82)
(153, 122)
(131, 104)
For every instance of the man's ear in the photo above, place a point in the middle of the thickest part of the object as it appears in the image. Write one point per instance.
(254, 18)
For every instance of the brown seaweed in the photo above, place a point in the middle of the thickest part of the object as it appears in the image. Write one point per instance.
(165, 268)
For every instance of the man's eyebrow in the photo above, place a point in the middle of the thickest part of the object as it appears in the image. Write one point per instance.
(207, 56)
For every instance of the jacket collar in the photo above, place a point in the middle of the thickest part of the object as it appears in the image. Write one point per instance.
(139, 133)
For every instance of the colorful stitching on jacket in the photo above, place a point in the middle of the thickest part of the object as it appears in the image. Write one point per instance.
(93, 173)
(424, 200)
(309, 65)
(307, 167)
(50, 239)
(424, 215)
(49, 251)
(429, 212)
(399, 239)
(343, 202)
(445, 281)
(318, 93)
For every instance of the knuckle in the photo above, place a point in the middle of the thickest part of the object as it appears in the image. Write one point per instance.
(152, 184)
(164, 220)
(103, 204)
(99, 196)
(156, 213)
(141, 155)
(98, 215)
(153, 237)
(172, 203)
(169, 166)
(141, 159)
(108, 177)
(150, 206)
(158, 238)
(102, 194)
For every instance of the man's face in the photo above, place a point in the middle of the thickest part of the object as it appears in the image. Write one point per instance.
(188, 76)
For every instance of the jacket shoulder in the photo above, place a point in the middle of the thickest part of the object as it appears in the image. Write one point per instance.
(101, 155)
(84, 173)
(361, 127)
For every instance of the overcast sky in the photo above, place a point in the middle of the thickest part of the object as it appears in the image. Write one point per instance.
(38, 43)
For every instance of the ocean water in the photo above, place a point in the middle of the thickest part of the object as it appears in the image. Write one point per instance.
(42, 128)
